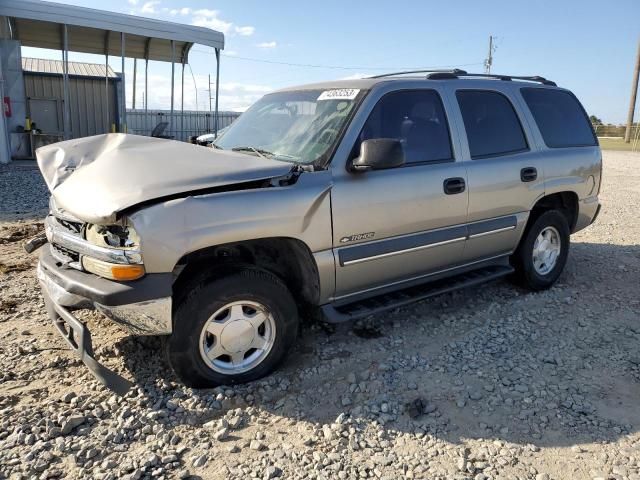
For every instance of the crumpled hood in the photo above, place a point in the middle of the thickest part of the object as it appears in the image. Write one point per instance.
(94, 178)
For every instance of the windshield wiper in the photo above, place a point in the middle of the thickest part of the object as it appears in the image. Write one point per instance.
(258, 151)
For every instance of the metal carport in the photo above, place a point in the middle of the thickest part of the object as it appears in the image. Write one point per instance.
(37, 23)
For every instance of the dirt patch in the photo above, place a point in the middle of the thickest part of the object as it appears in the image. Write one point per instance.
(20, 232)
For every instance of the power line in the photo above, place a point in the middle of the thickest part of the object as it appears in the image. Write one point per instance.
(336, 67)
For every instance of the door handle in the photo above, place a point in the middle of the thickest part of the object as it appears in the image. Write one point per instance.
(454, 185)
(528, 174)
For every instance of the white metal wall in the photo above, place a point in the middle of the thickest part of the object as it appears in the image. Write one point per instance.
(87, 96)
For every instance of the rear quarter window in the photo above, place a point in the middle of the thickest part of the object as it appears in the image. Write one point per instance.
(560, 118)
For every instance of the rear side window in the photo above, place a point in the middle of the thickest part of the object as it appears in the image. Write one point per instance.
(492, 126)
(560, 117)
(416, 118)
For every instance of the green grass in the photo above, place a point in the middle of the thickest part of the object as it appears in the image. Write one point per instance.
(616, 144)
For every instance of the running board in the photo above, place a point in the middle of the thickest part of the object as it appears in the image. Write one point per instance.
(399, 298)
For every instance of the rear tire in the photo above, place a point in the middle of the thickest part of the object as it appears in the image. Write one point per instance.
(232, 329)
(543, 250)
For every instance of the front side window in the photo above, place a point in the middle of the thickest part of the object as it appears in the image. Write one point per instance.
(560, 117)
(416, 118)
(491, 123)
(297, 126)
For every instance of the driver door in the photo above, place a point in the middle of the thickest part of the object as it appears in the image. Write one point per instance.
(397, 224)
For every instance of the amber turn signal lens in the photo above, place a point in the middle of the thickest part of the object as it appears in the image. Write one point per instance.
(112, 271)
(127, 272)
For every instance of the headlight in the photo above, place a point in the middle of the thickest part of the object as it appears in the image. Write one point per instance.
(122, 238)
(113, 236)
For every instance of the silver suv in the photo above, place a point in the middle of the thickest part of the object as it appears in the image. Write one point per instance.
(347, 197)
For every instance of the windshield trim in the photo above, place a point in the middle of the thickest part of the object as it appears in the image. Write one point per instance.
(323, 162)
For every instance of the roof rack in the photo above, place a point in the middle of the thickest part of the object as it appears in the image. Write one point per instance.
(457, 73)
(508, 78)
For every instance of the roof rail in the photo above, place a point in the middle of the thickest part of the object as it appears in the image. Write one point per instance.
(453, 73)
(534, 78)
(457, 73)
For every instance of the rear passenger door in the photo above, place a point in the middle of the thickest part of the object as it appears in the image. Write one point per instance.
(505, 175)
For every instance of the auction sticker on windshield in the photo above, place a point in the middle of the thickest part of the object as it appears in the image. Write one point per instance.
(339, 94)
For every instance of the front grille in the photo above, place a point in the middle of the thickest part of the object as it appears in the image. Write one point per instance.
(63, 254)
(73, 227)
(68, 255)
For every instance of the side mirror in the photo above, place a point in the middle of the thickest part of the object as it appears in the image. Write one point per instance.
(378, 154)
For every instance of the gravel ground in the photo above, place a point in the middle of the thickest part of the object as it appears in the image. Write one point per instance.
(484, 384)
(24, 194)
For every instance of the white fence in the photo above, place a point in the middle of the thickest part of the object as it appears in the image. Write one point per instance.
(186, 124)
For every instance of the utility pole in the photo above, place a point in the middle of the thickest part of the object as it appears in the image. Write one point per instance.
(489, 60)
(634, 94)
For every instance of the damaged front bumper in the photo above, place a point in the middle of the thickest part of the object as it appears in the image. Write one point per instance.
(142, 306)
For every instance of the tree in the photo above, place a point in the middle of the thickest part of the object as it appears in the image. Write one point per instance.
(595, 120)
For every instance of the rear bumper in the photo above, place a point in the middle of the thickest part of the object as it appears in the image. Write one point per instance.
(142, 306)
(588, 210)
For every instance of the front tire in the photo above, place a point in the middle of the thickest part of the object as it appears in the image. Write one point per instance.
(232, 329)
(543, 250)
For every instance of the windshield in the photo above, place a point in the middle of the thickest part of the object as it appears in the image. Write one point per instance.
(299, 126)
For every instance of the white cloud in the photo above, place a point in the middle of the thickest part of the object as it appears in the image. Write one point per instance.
(205, 12)
(208, 18)
(149, 7)
(356, 76)
(244, 87)
(212, 22)
(267, 45)
(133, 2)
(246, 31)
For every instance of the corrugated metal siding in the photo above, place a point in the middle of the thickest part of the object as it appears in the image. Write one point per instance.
(87, 97)
(42, 65)
(195, 123)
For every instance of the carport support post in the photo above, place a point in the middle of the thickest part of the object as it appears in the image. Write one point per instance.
(217, 89)
(123, 128)
(135, 68)
(146, 82)
(66, 112)
(182, 103)
(106, 81)
(173, 72)
(146, 87)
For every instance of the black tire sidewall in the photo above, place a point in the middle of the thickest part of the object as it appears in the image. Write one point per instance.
(527, 273)
(209, 296)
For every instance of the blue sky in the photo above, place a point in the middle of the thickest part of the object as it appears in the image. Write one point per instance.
(583, 45)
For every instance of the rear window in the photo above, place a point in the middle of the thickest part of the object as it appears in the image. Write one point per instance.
(560, 117)
(491, 124)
